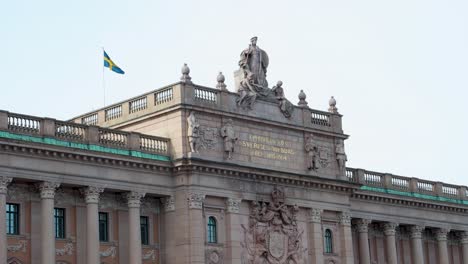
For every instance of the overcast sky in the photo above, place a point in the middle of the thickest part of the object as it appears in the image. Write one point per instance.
(398, 69)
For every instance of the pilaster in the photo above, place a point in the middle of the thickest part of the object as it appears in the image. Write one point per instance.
(4, 181)
(233, 231)
(315, 236)
(347, 255)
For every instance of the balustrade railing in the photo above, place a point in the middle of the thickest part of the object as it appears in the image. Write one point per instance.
(320, 119)
(69, 131)
(90, 120)
(24, 124)
(138, 104)
(113, 112)
(163, 96)
(208, 95)
(406, 184)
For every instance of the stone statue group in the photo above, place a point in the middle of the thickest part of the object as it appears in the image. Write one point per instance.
(253, 65)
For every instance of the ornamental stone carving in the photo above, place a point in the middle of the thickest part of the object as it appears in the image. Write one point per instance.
(312, 151)
(315, 215)
(214, 255)
(92, 193)
(195, 200)
(169, 203)
(390, 229)
(441, 234)
(345, 218)
(109, 252)
(233, 205)
(47, 189)
(134, 198)
(363, 225)
(149, 255)
(21, 246)
(66, 250)
(285, 106)
(463, 237)
(416, 232)
(229, 136)
(272, 235)
(4, 181)
(200, 137)
(341, 157)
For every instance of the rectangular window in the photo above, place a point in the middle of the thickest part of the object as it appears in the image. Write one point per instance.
(12, 218)
(59, 222)
(103, 227)
(144, 227)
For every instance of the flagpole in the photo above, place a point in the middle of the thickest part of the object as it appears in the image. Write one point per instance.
(103, 79)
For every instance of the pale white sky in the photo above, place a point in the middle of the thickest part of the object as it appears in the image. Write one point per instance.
(398, 69)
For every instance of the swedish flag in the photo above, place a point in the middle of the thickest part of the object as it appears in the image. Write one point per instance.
(111, 65)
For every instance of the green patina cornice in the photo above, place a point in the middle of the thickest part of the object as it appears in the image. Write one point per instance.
(83, 146)
(414, 195)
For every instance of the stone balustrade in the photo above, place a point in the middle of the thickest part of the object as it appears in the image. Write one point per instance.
(394, 184)
(209, 98)
(62, 132)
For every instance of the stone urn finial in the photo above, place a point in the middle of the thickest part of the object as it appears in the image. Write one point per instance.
(185, 74)
(332, 104)
(221, 85)
(302, 99)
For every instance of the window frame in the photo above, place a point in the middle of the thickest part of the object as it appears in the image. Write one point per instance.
(106, 229)
(212, 230)
(15, 221)
(145, 235)
(328, 241)
(57, 225)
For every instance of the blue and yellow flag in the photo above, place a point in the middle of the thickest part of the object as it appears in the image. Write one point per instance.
(111, 65)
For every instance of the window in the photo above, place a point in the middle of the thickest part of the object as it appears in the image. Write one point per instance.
(12, 218)
(59, 222)
(103, 227)
(144, 230)
(328, 241)
(212, 236)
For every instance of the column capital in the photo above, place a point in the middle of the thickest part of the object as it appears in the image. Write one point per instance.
(134, 198)
(463, 237)
(345, 218)
(363, 225)
(233, 205)
(169, 203)
(441, 234)
(47, 189)
(314, 215)
(92, 193)
(195, 200)
(4, 181)
(389, 228)
(416, 231)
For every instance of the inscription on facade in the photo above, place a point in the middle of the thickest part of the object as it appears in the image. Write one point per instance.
(269, 148)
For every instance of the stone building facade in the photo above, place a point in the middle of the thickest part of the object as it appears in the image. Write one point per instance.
(191, 174)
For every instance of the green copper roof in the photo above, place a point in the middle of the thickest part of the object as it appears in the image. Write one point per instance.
(414, 195)
(83, 146)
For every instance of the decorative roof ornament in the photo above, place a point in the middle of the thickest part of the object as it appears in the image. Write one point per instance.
(332, 104)
(302, 99)
(221, 85)
(185, 74)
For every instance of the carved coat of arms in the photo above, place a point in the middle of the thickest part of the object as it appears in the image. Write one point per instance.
(272, 236)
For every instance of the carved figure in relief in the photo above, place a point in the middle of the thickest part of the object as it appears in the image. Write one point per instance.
(341, 155)
(247, 93)
(230, 138)
(312, 152)
(284, 104)
(193, 132)
(272, 236)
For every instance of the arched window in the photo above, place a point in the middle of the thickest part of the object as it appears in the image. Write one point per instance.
(212, 233)
(328, 241)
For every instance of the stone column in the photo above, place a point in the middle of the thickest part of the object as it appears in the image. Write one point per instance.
(416, 244)
(134, 231)
(4, 181)
(464, 243)
(92, 223)
(441, 237)
(315, 235)
(197, 228)
(390, 243)
(234, 232)
(363, 230)
(168, 230)
(47, 221)
(347, 255)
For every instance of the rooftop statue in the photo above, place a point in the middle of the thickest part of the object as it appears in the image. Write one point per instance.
(255, 60)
